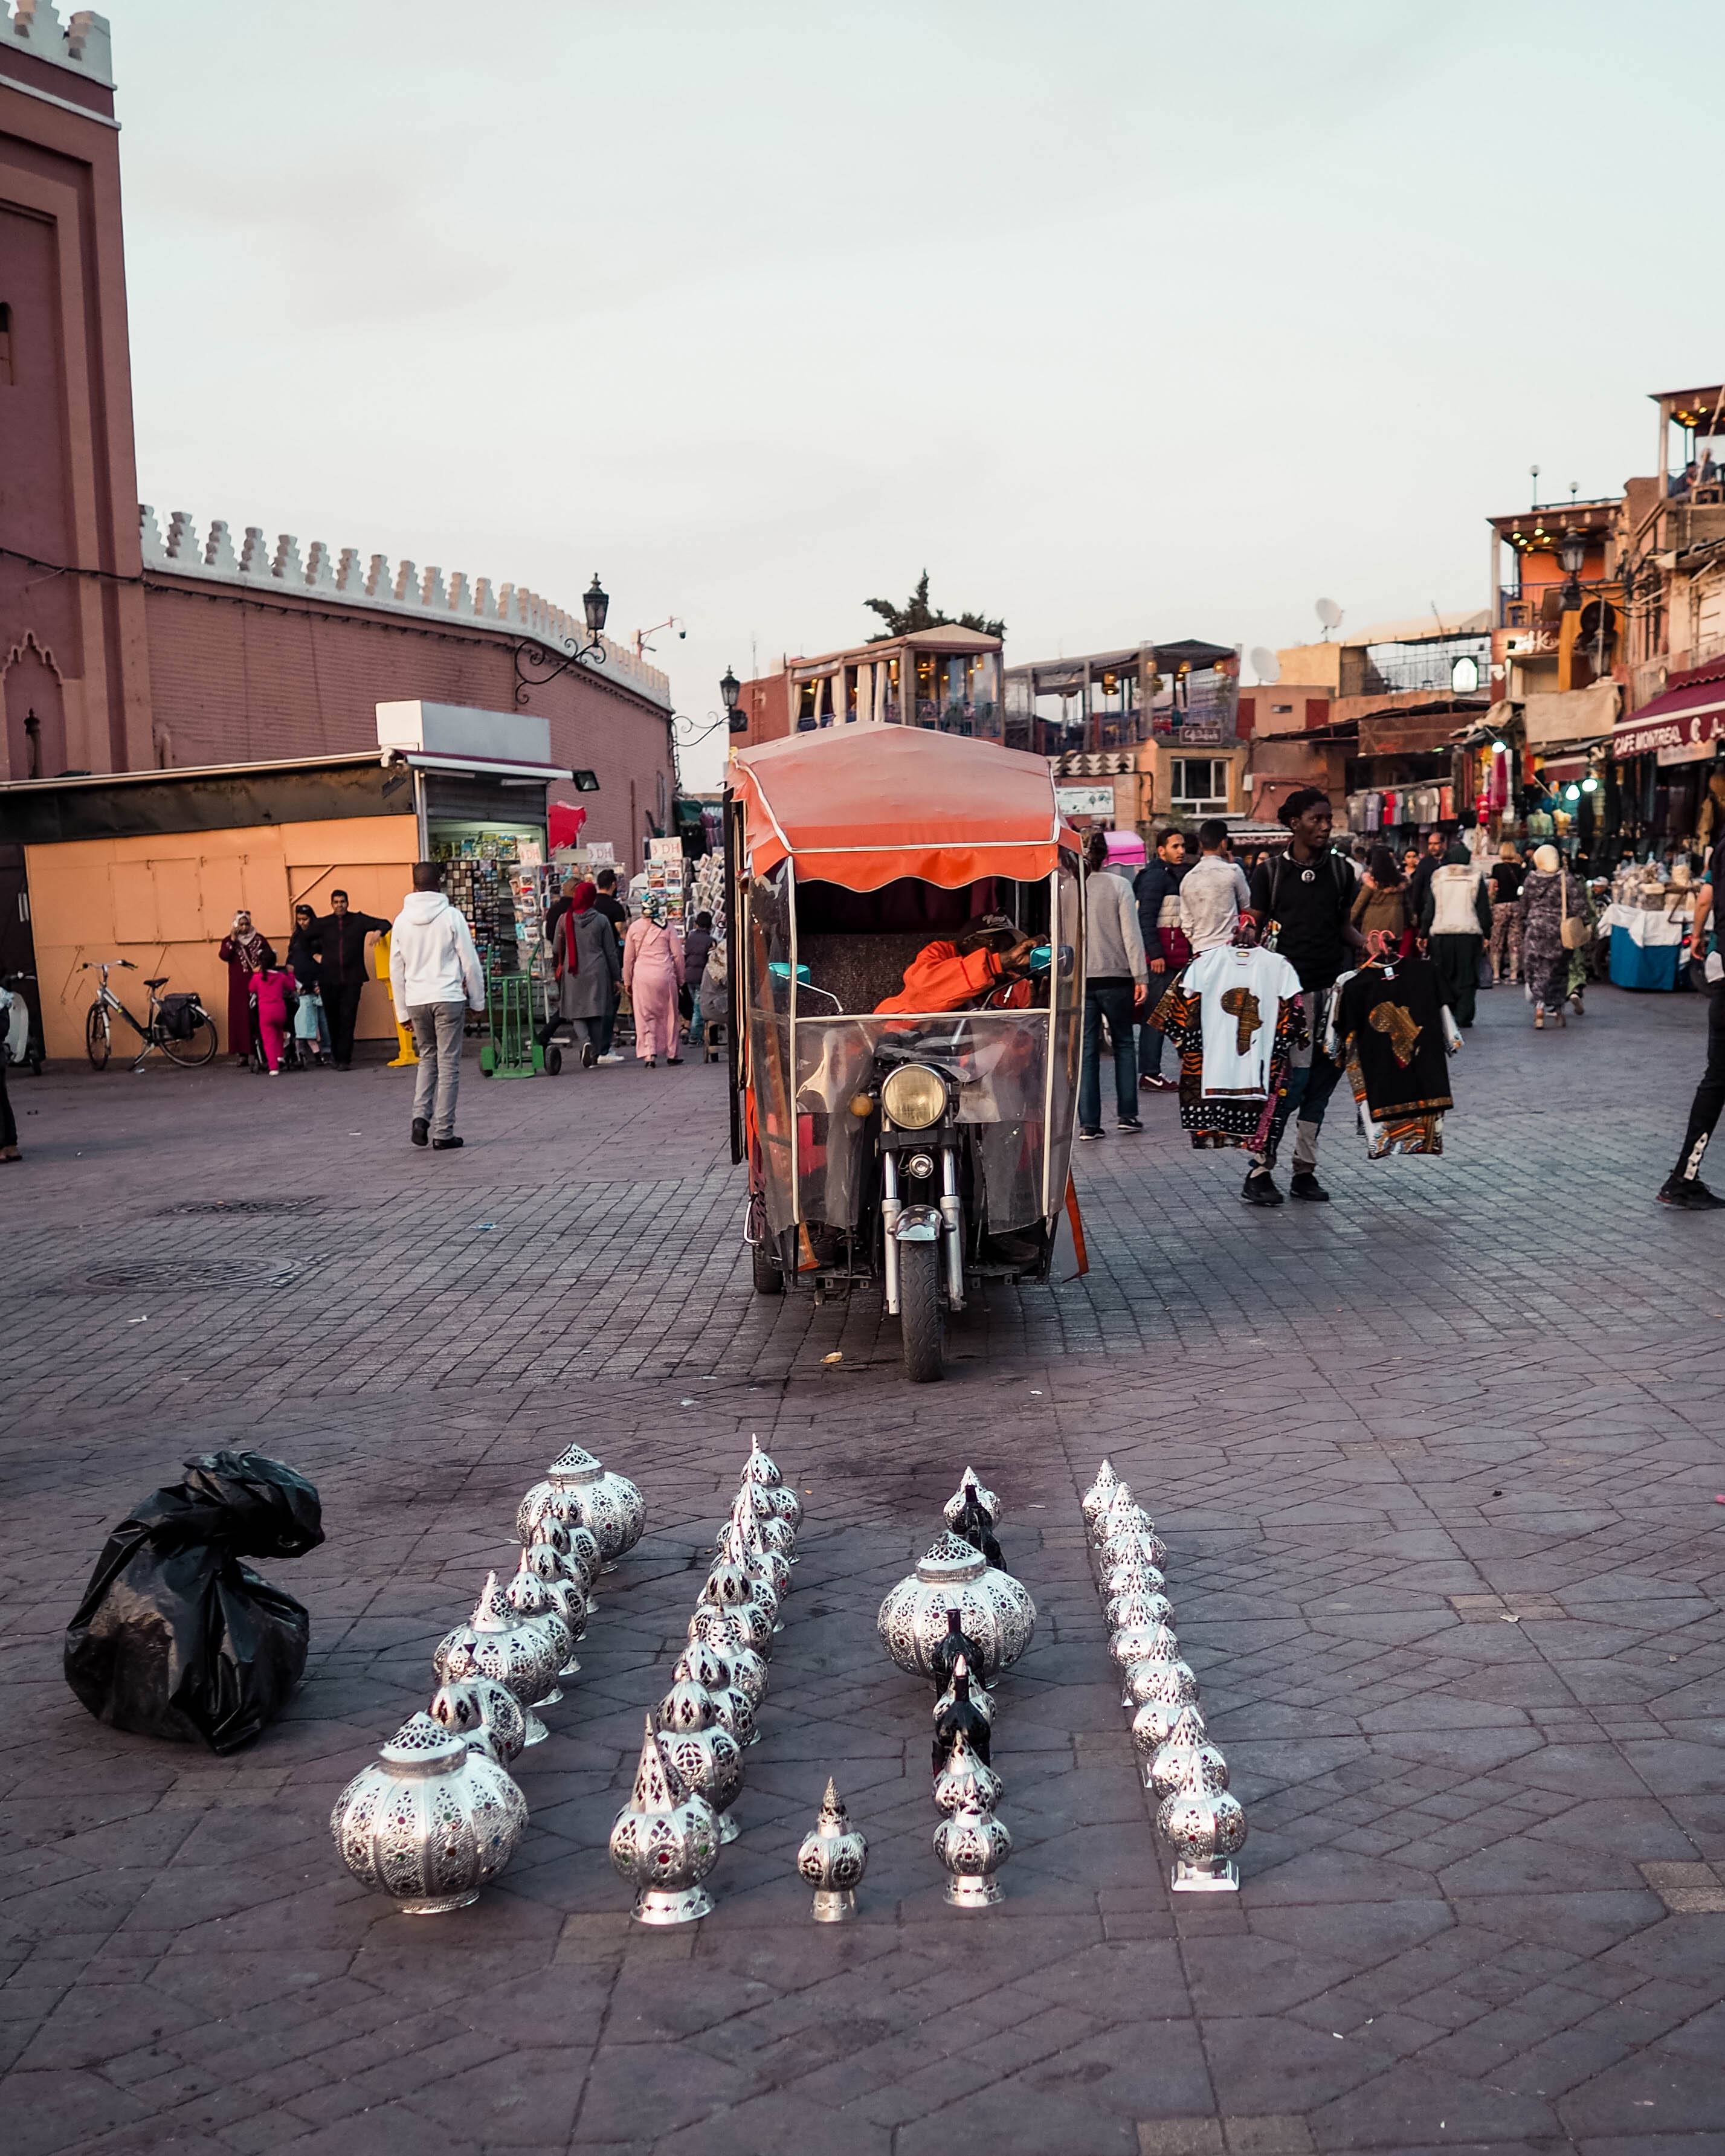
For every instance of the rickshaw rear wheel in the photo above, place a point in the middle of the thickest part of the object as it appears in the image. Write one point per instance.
(768, 1277)
(919, 1307)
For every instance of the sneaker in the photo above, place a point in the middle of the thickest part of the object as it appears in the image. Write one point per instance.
(1089, 1134)
(446, 1145)
(1305, 1184)
(1156, 1084)
(1259, 1188)
(1128, 1123)
(1691, 1197)
(611, 1056)
(422, 1131)
(587, 1058)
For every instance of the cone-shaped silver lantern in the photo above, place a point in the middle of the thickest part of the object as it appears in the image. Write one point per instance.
(530, 1600)
(751, 1602)
(578, 1551)
(494, 1643)
(1133, 1571)
(704, 1665)
(431, 1821)
(833, 1859)
(714, 1625)
(607, 1503)
(568, 1593)
(708, 1758)
(969, 1485)
(741, 1541)
(487, 1714)
(1207, 1830)
(973, 1844)
(664, 1842)
(964, 1777)
(1192, 1765)
(1090, 1504)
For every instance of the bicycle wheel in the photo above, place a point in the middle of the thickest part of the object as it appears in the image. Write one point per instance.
(97, 1038)
(200, 1049)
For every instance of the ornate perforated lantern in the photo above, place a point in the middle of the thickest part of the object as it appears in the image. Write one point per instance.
(431, 1821)
(995, 1613)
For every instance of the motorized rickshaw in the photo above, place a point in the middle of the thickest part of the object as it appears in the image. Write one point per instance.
(926, 1149)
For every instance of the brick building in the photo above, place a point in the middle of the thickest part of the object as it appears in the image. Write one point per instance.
(128, 641)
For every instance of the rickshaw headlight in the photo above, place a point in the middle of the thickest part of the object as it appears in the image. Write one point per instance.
(914, 1097)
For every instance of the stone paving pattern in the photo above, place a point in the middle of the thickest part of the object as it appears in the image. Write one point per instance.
(1436, 1464)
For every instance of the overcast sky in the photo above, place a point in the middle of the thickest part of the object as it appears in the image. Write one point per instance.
(1126, 321)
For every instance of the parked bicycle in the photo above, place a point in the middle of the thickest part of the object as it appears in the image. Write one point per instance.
(179, 1025)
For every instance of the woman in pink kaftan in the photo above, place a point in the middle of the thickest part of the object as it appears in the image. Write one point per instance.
(652, 974)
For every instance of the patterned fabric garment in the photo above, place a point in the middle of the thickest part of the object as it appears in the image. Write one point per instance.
(1231, 1120)
(1394, 1037)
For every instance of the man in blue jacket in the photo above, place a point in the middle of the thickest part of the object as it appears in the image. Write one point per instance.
(1166, 950)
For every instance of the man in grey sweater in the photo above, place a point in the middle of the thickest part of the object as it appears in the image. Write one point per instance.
(1114, 989)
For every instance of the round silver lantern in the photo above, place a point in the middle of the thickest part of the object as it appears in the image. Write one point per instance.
(431, 1821)
(969, 1486)
(705, 1666)
(664, 1842)
(494, 1643)
(607, 1503)
(567, 1595)
(1152, 1726)
(487, 1714)
(1093, 1501)
(973, 1844)
(995, 1613)
(1207, 1829)
(528, 1598)
(714, 1625)
(965, 1778)
(832, 1859)
(576, 1550)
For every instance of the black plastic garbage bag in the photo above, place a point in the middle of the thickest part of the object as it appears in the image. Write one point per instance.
(175, 1637)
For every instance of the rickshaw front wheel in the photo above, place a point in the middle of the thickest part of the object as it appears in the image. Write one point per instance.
(769, 1279)
(919, 1306)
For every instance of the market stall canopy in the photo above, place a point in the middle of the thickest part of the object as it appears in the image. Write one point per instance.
(1680, 726)
(863, 806)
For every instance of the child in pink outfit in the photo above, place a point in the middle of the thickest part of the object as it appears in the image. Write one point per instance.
(272, 986)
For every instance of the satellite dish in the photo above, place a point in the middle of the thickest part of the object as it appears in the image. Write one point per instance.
(1329, 614)
(1266, 665)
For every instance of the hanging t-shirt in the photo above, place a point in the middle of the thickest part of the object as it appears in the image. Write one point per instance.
(1239, 995)
(1390, 1023)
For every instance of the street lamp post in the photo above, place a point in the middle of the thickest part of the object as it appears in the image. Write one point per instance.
(536, 664)
(731, 688)
(1571, 551)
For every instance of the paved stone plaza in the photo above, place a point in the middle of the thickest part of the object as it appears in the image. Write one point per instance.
(1437, 1466)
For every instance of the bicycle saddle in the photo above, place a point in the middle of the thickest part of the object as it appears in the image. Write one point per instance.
(160, 981)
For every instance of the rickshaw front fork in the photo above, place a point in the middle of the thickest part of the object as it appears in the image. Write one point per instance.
(890, 1210)
(951, 1226)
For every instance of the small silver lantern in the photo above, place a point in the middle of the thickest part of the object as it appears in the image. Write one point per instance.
(995, 1613)
(1192, 1767)
(833, 1859)
(608, 1503)
(969, 1486)
(488, 1715)
(577, 1549)
(751, 1602)
(973, 1844)
(707, 1757)
(705, 1666)
(529, 1599)
(1152, 1728)
(743, 1543)
(1147, 1642)
(1207, 1830)
(964, 1776)
(1093, 1501)
(752, 1502)
(1137, 1608)
(568, 1596)
(664, 1842)
(493, 1643)
(431, 1821)
(1134, 1569)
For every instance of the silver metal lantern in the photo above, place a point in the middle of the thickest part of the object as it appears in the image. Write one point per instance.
(1139, 1545)
(1195, 1767)
(704, 1665)
(743, 1543)
(1141, 1643)
(487, 1714)
(973, 1844)
(1166, 1680)
(752, 1502)
(707, 1756)
(833, 1858)
(1138, 1607)
(494, 1643)
(1207, 1829)
(531, 1599)
(963, 1777)
(577, 1549)
(1132, 1570)
(759, 1467)
(608, 1503)
(1152, 1725)
(714, 1625)
(664, 1842)
(995, 1613)
(568, 1596)
(431, 1821)
(1093, 1501)
(750, 1601)
(969, 1485)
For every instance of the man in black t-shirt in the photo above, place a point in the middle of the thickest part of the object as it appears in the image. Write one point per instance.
(1305, 896)
(1683, 1186)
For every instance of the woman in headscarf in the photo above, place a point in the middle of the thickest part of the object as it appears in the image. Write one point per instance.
(653, 973)
(588, 967)
(1549, 892)
(245, 952)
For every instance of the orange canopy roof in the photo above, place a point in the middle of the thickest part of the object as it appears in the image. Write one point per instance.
(861, 805)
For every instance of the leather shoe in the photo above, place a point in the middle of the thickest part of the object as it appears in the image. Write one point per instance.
(1305, 1184)
(1260, 1189)
(446, 1145)
(422, 1131)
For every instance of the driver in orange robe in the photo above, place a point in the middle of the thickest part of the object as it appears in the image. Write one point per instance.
(987, 954)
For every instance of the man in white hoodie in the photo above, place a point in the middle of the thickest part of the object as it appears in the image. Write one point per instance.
(436, 978)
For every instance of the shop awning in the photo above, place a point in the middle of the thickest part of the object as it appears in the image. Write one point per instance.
(478, 767)
(862, 805)
(1680, 726)
(1559, 770)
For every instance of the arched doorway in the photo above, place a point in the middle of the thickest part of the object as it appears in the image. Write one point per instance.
(35, 713)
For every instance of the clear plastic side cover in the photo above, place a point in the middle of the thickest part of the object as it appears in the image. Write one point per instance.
(766, 978)
(1062, 1097)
